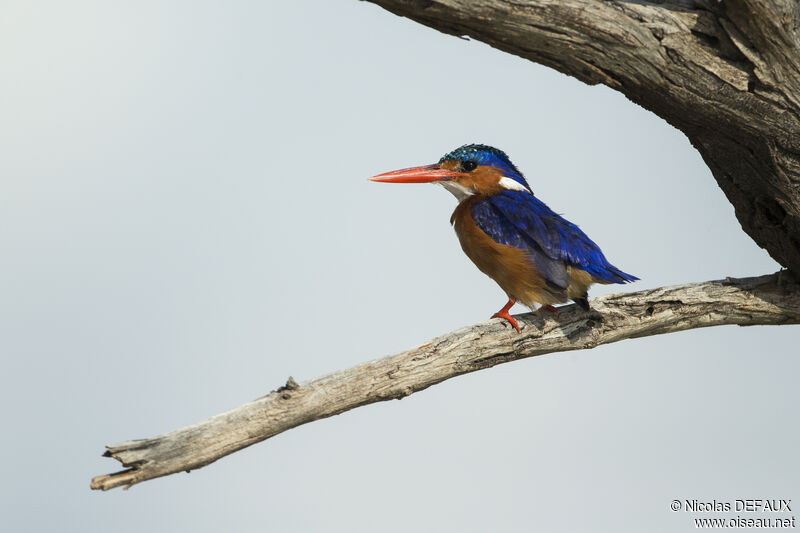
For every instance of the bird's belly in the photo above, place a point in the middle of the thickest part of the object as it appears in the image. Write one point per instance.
(509, 266)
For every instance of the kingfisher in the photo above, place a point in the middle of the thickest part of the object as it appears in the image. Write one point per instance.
(534, 254)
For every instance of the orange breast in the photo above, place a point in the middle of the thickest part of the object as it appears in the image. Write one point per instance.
(507, 265)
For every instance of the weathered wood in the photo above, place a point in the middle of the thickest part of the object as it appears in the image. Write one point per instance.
(766, 300)
(726, 73)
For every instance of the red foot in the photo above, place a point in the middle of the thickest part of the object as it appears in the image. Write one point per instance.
(503, 313)
(549, 308)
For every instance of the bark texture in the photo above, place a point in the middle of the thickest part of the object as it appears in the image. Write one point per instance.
(726, 73)
(766, 300)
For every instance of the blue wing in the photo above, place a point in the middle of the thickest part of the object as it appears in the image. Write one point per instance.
(519, 219)
(503, 231)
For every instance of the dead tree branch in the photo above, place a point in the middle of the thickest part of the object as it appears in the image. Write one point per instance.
(726, 73)
(765, 300)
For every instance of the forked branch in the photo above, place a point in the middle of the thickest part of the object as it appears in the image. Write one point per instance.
(765, 300)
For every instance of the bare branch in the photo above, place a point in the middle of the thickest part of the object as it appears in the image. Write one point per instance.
(727, 74)
(765, 300)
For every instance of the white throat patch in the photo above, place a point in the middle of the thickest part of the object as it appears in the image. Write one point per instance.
(459, 191)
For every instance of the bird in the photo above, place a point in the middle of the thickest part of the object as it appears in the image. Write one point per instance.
(534, 254)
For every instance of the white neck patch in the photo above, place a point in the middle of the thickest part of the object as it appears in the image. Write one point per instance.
(512, 184)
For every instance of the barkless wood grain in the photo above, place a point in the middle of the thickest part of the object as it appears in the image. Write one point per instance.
(766, 300)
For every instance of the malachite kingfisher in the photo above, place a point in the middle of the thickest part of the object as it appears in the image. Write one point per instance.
(534, 254)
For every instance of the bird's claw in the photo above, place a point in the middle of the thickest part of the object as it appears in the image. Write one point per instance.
(506, 316)
(549, 308)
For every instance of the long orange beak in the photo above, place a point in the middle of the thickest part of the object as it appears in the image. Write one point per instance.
(424, 174)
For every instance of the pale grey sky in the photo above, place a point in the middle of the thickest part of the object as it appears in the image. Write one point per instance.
(185, 221)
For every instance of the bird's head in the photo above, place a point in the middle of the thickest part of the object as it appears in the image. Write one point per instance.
(470, 169)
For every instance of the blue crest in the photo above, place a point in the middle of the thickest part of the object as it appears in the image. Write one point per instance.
(487, 156)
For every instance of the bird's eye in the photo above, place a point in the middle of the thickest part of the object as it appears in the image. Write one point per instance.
(468, 166)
